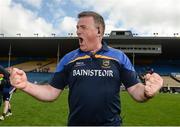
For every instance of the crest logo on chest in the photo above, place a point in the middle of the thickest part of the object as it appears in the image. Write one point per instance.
(106, 64)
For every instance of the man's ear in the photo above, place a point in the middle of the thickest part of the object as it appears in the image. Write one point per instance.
(99, 32)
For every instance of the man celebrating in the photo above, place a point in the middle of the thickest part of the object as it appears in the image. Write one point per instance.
(93, 73)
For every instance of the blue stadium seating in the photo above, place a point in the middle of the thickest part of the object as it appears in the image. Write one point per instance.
(39, 77)
(163, 67)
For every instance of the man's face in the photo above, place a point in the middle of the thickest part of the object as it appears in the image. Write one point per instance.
(87, 33)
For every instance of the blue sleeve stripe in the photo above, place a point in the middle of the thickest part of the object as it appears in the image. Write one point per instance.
(66, 59)
(120, 57)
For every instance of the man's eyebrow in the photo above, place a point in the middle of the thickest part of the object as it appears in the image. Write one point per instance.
(83, 26)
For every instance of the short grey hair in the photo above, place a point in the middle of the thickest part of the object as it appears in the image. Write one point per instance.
(98, 19)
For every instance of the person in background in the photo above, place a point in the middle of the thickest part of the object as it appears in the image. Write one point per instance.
(1, 88)
(94, 73)
(6, 91)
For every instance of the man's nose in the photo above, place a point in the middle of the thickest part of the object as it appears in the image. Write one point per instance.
(78, 32)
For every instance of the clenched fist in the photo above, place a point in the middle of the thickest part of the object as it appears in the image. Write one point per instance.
(153, 83)
(18, 78)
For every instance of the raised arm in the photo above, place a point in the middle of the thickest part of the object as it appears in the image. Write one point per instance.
(46, 92)
(142, 92)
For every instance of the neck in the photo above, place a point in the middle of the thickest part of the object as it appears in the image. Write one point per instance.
(98, 47)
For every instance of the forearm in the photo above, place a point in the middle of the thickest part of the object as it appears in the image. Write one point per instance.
(138, 92)
(19, 80)
(41, 92)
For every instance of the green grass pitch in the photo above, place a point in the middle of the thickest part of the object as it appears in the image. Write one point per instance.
(163, 110)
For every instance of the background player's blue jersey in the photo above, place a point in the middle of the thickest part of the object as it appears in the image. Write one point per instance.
(94, 84)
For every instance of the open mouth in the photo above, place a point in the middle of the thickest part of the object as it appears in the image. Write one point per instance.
(80, 40)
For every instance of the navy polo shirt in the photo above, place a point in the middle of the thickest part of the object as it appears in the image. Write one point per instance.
(94, 84)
